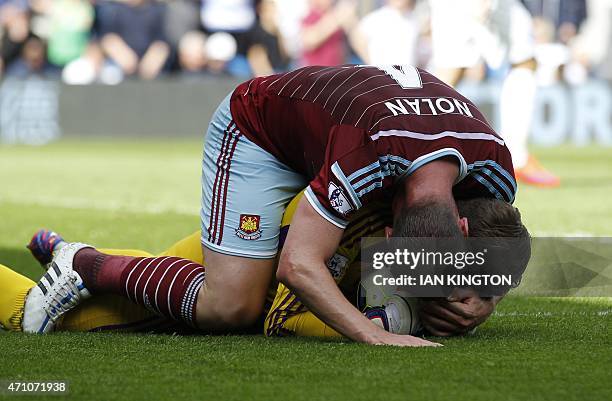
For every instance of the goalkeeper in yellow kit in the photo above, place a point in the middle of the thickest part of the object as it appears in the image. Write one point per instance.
(284, 313)
(114, 313)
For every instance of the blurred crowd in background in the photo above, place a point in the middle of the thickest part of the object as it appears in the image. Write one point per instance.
(107, 41)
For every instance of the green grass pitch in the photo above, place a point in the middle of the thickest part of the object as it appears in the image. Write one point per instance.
(121, 193)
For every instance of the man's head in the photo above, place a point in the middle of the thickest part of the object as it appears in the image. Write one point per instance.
(496, 220)
(478, 217)
(423, 203)
(428, 219)
(490, 217)
(423, 206)
(500, 223)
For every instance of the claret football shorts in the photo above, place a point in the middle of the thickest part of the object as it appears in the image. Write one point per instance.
(244, 191)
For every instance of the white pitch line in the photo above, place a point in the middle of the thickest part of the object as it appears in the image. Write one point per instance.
(604, 312)
(157, 209)
(107, 206)
(573, 234)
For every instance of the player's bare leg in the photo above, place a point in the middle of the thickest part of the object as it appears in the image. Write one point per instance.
(105, 312)
(228, 295)
(166, 285)
(516, 109)
(234, 292)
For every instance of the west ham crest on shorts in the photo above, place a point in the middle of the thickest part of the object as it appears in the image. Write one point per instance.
(249, 227)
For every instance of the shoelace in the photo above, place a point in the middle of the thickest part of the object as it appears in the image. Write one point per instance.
(58, 304)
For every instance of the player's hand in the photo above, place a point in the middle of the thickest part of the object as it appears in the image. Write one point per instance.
(403, 341)
(345, 13)
(445, 318)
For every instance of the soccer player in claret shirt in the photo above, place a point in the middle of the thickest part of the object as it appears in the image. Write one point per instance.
(284, 313)
(352, 135)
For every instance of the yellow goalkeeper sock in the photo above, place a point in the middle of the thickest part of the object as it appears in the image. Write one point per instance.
(13, 290)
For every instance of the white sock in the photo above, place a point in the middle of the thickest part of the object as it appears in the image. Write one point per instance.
(516, 110)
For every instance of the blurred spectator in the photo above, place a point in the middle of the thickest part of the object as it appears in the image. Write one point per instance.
(220, 50)
(227, 15)
(181, 17)
(132, 37)
(69, 24)
(324, 32)
(605, 68)
(565, 15)
(593, 46)
(556, 27)
(32, 61)
(265, 51)
(143, 38)
(88, 68)
(14, 30)
(201, 56)
(389, 34)
(550, 55)
(290, 15)
(232, 16)
(192, 55)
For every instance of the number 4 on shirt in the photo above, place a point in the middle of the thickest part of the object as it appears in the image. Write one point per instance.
(406, 76)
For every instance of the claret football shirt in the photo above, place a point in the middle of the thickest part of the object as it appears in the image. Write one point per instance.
(355, 130)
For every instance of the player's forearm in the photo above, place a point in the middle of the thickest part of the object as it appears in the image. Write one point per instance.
(118, 51)
(259, 61)
(318, 291)
(154, 59)
(314, 35)
(359, 44)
